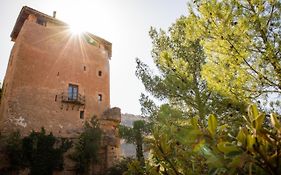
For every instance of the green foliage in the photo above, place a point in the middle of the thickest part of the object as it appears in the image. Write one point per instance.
(39, 152)
(148, 107)
(183, 147)
(135, 167)
(180, 63)
(13, 148)
(135, 136)
(171, 144)
(120, 168)
(255, 149)
(213, 62)
(87, 147)
(242, 42)
(212, 124)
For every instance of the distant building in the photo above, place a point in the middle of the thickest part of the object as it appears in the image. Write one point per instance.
(57, 80)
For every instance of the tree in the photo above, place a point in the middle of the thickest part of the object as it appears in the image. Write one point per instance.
(87, 147)
(180, 82)
(242, 42)
(135, 136)
(202, 72)
(221, 56)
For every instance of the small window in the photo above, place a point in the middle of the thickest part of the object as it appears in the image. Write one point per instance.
(99, 97)
(72, 92)
(100, 73)
(56, 98)
(84, 68)
(41, 21)
(81, 114)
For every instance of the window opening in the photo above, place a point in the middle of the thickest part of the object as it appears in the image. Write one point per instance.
(56, 98)
(41, 21)
(100, 73)
(72, 92)
(81, 114)
(100, 97)
(84, 68)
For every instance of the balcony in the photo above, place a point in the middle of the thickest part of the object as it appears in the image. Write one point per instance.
(80, 100)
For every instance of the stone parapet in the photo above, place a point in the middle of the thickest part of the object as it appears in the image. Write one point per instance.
(112, 114)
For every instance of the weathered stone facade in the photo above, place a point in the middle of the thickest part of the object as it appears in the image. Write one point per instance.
(57, 80)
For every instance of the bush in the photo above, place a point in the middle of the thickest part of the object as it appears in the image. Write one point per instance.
(182, 146)
(87, 147)
(40, 153)
(119, 168)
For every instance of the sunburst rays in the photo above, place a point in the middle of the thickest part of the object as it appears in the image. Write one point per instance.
(69, 42)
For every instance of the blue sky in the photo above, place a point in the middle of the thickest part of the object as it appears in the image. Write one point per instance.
(125, 23)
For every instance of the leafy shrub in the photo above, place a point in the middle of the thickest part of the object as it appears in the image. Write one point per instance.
(39, 152)
(87, 147)
(119, 168)
(182, 146)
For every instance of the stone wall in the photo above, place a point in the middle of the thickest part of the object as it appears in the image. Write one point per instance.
(44, 60)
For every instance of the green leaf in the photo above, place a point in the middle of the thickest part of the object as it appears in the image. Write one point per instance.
(199, 146)
(227, 147)
(253, 112)
(241, 137)
(212, 124)
(194, 122)
(188, 135)
(259, 121)
(274, 121)
(250, 142)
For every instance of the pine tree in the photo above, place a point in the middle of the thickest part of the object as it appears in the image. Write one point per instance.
(242, 42)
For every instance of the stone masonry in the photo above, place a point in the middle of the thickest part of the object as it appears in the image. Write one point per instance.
(58, 80)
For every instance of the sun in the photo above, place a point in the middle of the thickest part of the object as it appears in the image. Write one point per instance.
(80, 16)
(77, 28)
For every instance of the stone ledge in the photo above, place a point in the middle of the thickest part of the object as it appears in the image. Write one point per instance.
(112, 114)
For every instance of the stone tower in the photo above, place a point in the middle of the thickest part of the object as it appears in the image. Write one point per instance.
(57, 80)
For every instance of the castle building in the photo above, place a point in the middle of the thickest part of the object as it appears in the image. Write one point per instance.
(58, 80)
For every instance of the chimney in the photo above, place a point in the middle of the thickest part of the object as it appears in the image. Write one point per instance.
(54, 14)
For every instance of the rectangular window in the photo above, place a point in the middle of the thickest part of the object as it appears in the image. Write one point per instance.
(72, 92)
(100, 97)
(100, 73)
(81, 114)
(40, 20)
